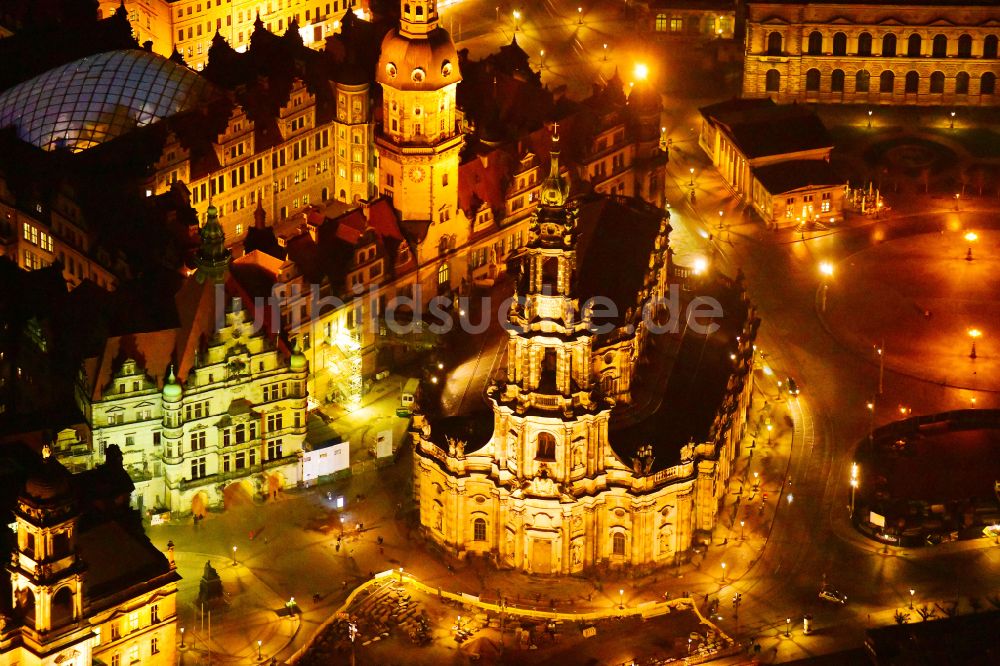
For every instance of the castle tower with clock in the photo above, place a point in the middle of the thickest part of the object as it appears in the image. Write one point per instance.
(418, 144)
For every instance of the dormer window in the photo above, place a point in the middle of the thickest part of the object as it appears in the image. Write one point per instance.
(446, 69)
(417, 75)
(390, 69)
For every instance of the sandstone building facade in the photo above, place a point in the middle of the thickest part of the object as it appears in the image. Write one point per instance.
(917, 53)
(546, 483)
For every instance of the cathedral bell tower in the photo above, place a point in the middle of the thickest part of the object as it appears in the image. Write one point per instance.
(550, 406)
(418, 143)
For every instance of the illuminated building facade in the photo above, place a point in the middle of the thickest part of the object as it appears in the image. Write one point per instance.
(547, 483)
(692, 19)
(317, 146)
(84, 591)
(223, 423)
(775, 157)
(189, 25)
(933, 53)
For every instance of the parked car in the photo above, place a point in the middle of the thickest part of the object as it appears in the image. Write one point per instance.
(833, 596)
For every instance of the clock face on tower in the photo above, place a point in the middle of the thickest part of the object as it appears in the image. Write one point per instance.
(416, 174)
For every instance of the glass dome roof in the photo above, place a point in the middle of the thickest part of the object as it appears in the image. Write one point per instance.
(89, 101)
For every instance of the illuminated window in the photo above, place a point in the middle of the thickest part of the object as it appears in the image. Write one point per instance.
(661, 22)
(133, 621)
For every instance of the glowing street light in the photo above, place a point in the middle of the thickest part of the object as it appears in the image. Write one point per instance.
(605, 53)
(258, 650)
(826, 270)
(951, 124)
(517, 19)
(881, 365)
(756, 480)
(579, 13)
(542, 56)
(723, 572)
(234, 556)
(742, 523)
(721, 215)
(870, 112)
(788, 627)
(641, 71)
(621, 599)
(971, 237)
(854, 484)
(975, 334)
(700, 266)
(691, 183)
(182, 638)
(770, 429)
(912, 592)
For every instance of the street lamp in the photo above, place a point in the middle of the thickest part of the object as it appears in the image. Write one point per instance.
(756, 480)
(871, 421)
(742, 523)
(912, 592)
(605, 53)
(542, 56)
(951, 124)
(826, 269)
(400, 574)
(971, 237)
(579, 13)
(234, 556)
(770, 428)
(517, 19)
(182, 638)
(700, 266)
(974, 333)
(691, 183)
(881, 366)
(641, 71)
(854, 485)
(788, 623)
(870, 118)
(258, 650)
(721, 214)
(723, 572)
(621, 599)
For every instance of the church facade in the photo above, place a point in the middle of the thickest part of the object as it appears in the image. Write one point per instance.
(540, 484)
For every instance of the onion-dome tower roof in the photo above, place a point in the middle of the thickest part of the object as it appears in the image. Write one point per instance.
(419, 55)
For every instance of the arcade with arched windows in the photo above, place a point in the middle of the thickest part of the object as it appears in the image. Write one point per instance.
(892, 55)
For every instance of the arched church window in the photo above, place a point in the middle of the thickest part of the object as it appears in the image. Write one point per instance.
(618, 543)
(479, 530)
(546, 446)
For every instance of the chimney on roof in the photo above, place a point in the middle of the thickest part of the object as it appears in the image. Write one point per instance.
(312, 228)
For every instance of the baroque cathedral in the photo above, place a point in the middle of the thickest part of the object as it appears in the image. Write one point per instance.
(610, 438)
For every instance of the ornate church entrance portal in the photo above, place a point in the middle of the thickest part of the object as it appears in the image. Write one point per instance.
(541, 556)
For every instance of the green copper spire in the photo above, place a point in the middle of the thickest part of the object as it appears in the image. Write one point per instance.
(213, 258)
(555, 189)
